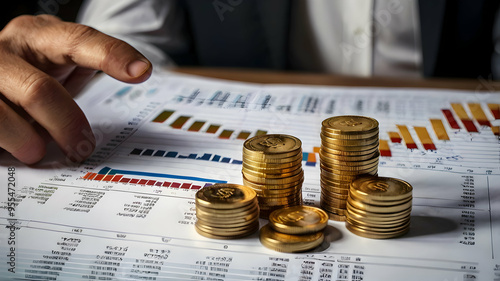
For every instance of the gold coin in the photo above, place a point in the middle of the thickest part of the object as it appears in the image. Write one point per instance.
(289, 243)
(333, 158)
(376, 235)
(226, 237)
(343, 142)
(227, 223)
(324, 205)
(229, 231)
(265, 170)
(261, 186)
(350, 137)
(272, 146)
(329, 152)
(207, 217)
(369, 223)
(379, 209)
(340, 191)
(379, 229)
(228, 213)
(356, 163)
(340, 168)
(349, 125)
(377, 216)
(225, 196)
(358, 148)
(284, 180)
(273, 161)
(334, 194)
(375, 189)
(343, 175)
(253, 174)
(298, 220)
(336, 217)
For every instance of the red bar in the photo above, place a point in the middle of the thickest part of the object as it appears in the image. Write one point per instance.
(196, 187)
(166, 184)
(151, 182)
(125, 180)
(451, 120)
(469, 126)
(484, 123)
(99, 177)
(108, 177)
(396, 140)
(411, 146)
(175, 185)
(186, 185)
(87, 175)
(134, 181)
(496, 113)
(117, 178)
(158, 183)
(143, 182)
(92, 176)
(385, 153)
(429, 146)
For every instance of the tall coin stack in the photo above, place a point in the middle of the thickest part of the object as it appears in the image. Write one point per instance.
(272, 167)
(379, 207)
(349, 149)
(226, 211)
(294, 229)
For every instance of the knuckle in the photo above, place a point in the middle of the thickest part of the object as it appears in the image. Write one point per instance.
(37, 87)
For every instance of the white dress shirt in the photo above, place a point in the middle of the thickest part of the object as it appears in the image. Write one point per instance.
(351, 37)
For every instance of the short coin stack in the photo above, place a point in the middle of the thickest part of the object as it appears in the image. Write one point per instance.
(349, 149)
(226, 211)
(379, 207)
(294, 229)
(272, 167)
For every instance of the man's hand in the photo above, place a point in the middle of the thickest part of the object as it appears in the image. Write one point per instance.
(44, 62)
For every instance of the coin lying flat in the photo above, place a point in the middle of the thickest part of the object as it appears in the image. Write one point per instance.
(225, 196)
(272, 146)
(381, 189)
(350, 125)
(298, 220)
(289, 243)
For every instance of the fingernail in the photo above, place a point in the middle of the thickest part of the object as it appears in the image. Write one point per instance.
(137, 68)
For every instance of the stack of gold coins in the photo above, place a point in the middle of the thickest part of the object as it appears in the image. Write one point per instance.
(379, 207)
(272, 167)
(349, 149)
(294, 229)
(226, 211)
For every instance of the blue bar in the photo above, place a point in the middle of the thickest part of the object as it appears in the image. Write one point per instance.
(237, 162)
(123, 91)
(104, 170)
(171, 154)
(225, 160)
(192, 156)
(148, 152)
(313, 164)
(159, 153)
(182, 156)
(136, 151)
(158, 175)
(304, 156)
(205, 156)
(216, 158)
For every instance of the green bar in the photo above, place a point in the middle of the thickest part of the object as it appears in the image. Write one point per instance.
(163, 116)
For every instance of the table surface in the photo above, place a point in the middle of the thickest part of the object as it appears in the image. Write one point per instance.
(483, 84)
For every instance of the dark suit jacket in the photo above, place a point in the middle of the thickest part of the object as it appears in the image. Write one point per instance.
(456, 35)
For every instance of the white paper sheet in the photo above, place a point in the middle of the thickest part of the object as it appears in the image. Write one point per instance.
(127, 213)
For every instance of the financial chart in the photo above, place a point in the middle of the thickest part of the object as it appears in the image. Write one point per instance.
(128, 213)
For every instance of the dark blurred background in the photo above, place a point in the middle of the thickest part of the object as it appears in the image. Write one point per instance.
(64, 9)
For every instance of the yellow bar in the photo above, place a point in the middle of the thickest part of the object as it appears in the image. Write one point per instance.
(410, 143)
(243, 135)
(478, 113)
(495, 130)
(163, 116)
(226, 134)
(179, 122)
(213, 129)
(196, 126)
(394, 136)
(439, 129)
(460, 111)
(384, 148)
(316, 149)
(260, 132)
